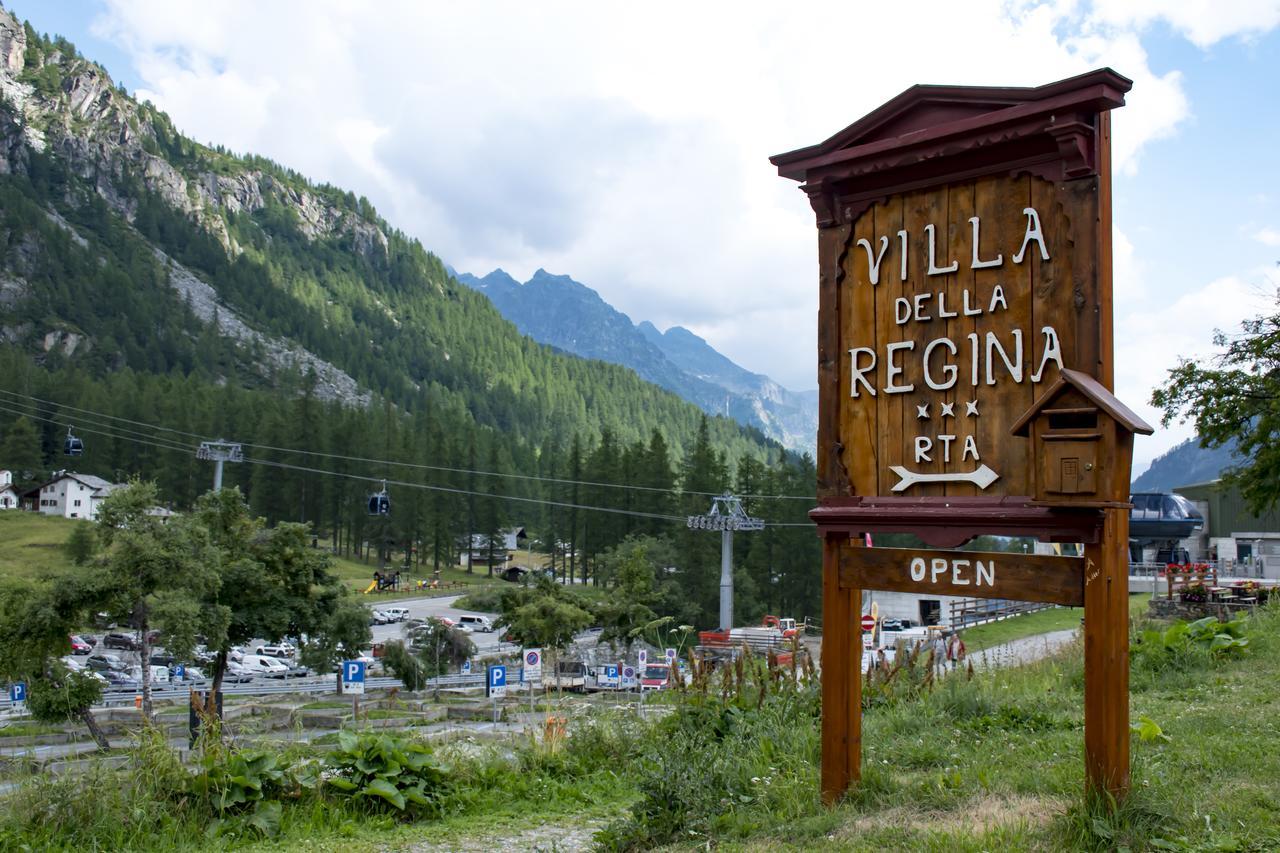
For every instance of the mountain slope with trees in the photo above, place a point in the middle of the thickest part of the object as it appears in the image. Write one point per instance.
(566, 314)
(155, 292)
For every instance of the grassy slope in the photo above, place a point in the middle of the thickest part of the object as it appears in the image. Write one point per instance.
(1040, 622)
(31, 544)
(998, 764)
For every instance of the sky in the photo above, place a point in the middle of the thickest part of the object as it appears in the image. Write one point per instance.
(627, 145)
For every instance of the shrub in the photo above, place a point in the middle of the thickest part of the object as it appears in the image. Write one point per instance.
(386, 772)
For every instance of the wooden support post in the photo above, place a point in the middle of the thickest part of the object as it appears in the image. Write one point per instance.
(1106, 658)
(841, 676)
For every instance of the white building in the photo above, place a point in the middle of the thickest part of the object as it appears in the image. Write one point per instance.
(72, 495)
(8, 494)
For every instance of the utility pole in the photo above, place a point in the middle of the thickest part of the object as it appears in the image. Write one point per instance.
(726, 515)
(219, 451)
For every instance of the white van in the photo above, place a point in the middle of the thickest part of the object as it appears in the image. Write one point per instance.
(476, 623)
(399, 614)
(263, 665)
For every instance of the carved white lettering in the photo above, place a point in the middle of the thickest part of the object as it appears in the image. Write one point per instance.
(938, 566)
(956, 577)
(943, 313)
(902, 241)
(934, 269)
(919, 299)
(946, 446)
(918, 569)
(893, 370)
(977, 264)
(949, 370)
(873, 261)
(901, 310)
(970, 447)
(997, 298)
(986, 571)
(859, 373)
(1052, 352)
(923, 445)
(1014, 367)
(969, 310)
(1034, 232)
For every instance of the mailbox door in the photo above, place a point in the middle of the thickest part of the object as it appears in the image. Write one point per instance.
(1070, 466)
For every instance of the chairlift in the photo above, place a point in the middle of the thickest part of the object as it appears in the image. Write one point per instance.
(380, 502)
(72, 446)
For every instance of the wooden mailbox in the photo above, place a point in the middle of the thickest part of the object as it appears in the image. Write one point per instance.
(964, 364)
(1081, 443)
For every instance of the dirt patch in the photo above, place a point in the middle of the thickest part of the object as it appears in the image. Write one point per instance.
(557, 837)
(975, 817)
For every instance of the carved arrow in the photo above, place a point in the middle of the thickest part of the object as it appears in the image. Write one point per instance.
(981, 478)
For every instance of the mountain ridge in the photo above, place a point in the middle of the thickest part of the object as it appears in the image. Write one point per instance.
(559, 311)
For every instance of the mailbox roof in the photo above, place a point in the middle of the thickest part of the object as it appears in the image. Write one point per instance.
(1096, 392)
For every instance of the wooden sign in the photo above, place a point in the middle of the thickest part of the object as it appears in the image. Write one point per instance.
(965, 374)
(1016, 577)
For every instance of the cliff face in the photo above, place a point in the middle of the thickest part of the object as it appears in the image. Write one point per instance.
(62, 103)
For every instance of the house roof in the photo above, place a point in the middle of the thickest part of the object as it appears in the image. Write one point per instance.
(1095, 391)
(91, 481)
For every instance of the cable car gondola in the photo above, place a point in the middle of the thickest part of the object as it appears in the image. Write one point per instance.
(380, 502)
(72, 446)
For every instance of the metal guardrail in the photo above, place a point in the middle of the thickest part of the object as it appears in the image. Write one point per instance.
(181, 689)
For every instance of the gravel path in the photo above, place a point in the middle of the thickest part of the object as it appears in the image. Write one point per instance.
(561, 838)
(1023, 650)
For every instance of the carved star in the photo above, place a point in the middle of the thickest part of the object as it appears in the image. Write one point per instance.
(922, 412)
(971, 408)
(948, 410)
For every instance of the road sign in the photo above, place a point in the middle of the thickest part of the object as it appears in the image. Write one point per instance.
(18, 691)
(466, 667)
(642, 659)
(353, 676)
(610, 675)
(671, 656)
(868, 622)
(496, 685)
(179, 672)
(532, 665)
(628, 676)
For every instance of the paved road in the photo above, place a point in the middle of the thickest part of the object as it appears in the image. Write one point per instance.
(421, 608)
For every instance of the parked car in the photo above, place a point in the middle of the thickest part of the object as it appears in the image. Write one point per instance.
(476, 622)
(121, 640)
(282, 652)
(120, 681)
(399, 614)
(237, 673)
(379, 617)
(263, 665)
(80, 646)
(236, 654)
(73, 665)
(191, 673)
(159, 674)
(160, 657)
(106, 662)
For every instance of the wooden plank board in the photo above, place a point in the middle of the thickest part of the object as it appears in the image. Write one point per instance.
(1106, 658)
(973, 574)
(832, 479)
(841, 679)
(858, 416)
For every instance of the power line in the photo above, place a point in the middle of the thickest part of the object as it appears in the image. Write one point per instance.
(388, 462)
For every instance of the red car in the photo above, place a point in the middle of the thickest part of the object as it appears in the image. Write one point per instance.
(79, 646)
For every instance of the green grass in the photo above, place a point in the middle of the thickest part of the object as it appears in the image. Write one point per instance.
(991, 634)
(31, 543)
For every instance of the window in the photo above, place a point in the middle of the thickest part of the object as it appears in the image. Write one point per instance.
(77, 502)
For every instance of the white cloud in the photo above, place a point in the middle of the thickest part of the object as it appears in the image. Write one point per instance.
(626, 146)
(1267, 236)
(1203, 22)
(1149, 342)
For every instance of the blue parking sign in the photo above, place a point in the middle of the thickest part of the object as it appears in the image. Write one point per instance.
(353, 676)
(496, 684)
(18, 691)
(180, 672)
(466, 667)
